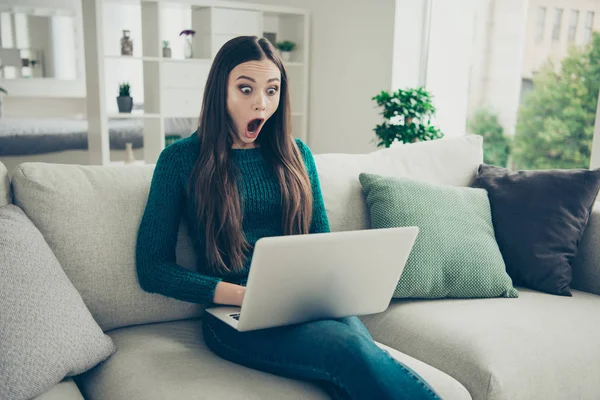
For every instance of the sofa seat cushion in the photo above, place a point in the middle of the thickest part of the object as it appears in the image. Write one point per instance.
(169, 360)
(64, 390)
(537, 346)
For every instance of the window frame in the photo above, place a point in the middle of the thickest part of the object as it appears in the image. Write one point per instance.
(540, 23)
(557, 24)
(573, 23)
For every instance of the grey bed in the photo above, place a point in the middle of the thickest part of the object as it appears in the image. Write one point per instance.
(28, 136)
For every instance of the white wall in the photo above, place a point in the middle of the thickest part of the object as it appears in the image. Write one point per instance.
(350, 62)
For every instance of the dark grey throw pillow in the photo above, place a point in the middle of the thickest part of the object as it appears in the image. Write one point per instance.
(539, 218)
(46, 331)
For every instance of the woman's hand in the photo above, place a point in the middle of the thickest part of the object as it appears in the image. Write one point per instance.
(230, 294)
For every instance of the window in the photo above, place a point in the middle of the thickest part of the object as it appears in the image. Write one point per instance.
(526, 88)
(557, 24)
(573, 25)
(539, 24)
(589, 24)
(522, 104)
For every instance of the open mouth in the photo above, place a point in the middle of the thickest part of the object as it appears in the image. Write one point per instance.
(253, 128)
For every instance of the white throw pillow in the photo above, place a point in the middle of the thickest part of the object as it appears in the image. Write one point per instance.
(46, 331)
(451, 161)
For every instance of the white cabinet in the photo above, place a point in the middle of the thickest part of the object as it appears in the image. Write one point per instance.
(185, 103)
(215, 26)
(185, 74)
(230, 21)
(174, 87)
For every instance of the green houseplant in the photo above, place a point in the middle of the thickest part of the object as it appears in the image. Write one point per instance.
(496, 144)
(166, 50)
(286, 47)
(407, 115)
(124, 101)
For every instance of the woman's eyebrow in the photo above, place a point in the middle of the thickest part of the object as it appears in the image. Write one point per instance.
(253, 80)
(245, 77)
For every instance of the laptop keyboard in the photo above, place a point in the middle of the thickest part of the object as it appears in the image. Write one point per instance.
(235, 316)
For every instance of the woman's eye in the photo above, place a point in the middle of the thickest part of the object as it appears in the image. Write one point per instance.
(272, 91)
(246, 89)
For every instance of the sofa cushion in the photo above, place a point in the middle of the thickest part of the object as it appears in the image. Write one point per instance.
(455, 254)
(539, 218)
(586, 267)
(452, 161)
(170, 361)
(538, 346)
(46, 331)
(5, 196)
(89, 216)
(64, 390)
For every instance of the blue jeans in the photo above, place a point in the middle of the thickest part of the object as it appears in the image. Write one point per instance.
(338, 354)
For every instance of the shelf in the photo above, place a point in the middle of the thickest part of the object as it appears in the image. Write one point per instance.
(132, 58)
(133, 114)
(173, 87)
(135, 2)
(187, 60)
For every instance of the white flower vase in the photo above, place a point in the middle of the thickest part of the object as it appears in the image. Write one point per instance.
(286, 55)
(130, 157)
(188, 51)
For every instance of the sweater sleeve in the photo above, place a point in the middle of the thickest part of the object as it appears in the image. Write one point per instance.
(157, 238)
(320, 222)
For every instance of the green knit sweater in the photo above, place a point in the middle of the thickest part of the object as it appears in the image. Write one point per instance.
(168, 203)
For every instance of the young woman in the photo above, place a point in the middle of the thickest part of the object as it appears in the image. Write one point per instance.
(241, 176)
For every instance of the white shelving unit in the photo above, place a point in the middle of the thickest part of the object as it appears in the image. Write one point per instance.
(173, 87)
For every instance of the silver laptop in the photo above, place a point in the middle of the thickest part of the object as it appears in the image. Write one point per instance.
(301, 278)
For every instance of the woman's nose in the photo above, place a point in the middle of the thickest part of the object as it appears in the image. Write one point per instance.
(260, 104)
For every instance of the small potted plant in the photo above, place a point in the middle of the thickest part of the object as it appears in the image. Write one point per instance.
(2, 93)
(285, 48)
(188, 34)
(166, 50)
(408, 115)
(124, 101)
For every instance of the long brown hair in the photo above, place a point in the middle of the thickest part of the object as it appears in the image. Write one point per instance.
(213, 186)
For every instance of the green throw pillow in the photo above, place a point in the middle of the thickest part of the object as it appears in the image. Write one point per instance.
(455, 254)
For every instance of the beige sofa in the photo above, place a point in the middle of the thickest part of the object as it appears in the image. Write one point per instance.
(538, 346)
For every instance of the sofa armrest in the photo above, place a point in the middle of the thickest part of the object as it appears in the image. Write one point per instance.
(586, 268)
